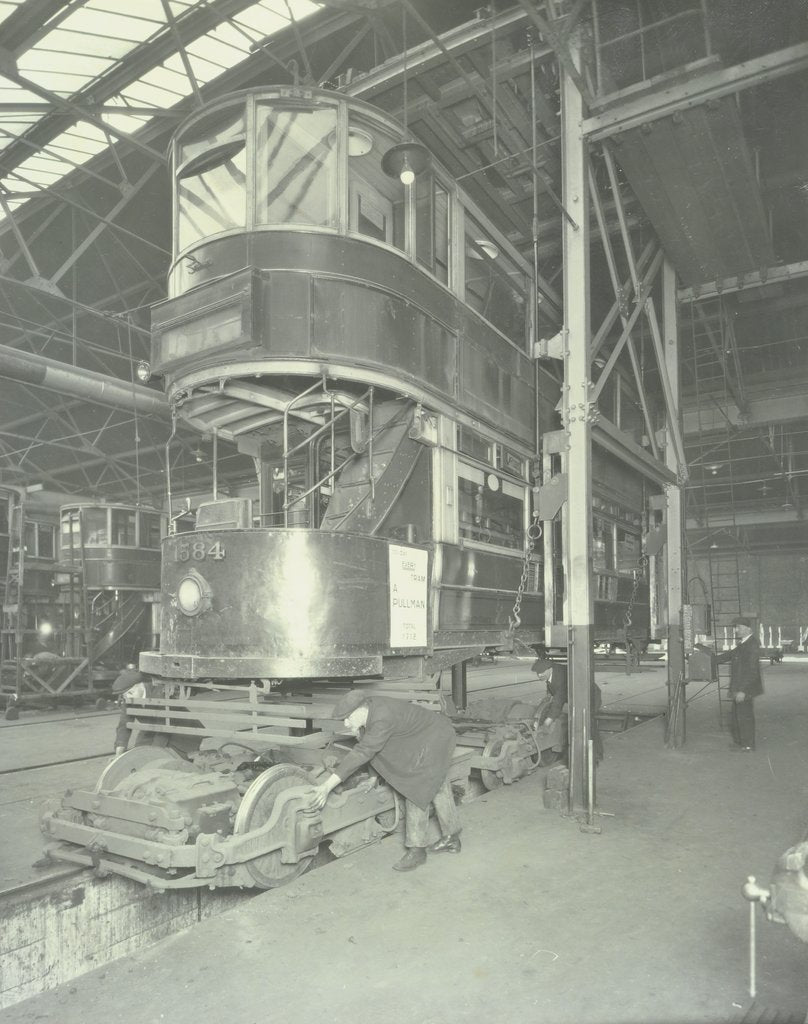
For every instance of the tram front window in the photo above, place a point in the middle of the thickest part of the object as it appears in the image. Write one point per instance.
(123, 527)
(296, 166)
(211, 177)
(376, 202)
(94, 521)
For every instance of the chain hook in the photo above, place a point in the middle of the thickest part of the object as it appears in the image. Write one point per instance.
(534, 532)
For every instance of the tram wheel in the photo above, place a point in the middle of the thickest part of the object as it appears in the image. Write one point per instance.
(130, 761)
(268, 871)
(491, 779)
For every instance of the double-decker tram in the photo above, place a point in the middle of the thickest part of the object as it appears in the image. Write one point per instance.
(82, 592)
(341, 312)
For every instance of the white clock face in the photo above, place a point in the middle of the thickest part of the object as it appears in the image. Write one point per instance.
(492, 481)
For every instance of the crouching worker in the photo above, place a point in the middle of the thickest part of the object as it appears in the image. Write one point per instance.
(554, 674)
(411, 748)
(127, 686)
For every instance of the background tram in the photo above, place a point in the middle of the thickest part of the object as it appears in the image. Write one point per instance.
(363, 332)
(81, 597)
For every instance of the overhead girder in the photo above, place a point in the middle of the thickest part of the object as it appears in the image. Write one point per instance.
(64, 379)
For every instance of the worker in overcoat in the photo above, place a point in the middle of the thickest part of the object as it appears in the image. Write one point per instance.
(411, 748)
(745, 683)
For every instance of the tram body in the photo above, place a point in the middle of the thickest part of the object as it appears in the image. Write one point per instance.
(367, 343)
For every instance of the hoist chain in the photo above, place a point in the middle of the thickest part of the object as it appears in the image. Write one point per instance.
(639, 574)
(534, 532)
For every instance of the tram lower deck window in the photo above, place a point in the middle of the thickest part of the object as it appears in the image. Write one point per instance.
(490, 510)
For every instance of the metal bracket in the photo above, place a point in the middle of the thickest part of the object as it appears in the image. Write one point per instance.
(655, 540)
(549, 498)
(549, 348)
(555, 442)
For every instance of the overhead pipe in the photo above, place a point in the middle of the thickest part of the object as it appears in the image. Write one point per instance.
(54, 375)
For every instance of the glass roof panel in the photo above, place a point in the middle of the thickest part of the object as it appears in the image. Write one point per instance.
(94, 39)
(84, 43)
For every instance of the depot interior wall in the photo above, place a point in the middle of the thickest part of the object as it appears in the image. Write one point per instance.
(773, 586)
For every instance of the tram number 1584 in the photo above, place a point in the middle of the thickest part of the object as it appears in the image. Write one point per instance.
(199, 550)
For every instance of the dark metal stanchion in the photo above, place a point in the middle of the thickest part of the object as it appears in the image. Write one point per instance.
(459, 689)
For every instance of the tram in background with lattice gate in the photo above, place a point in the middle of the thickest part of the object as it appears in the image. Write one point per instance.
(342, 312)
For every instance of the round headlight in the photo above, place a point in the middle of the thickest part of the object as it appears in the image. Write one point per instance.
(190, 596)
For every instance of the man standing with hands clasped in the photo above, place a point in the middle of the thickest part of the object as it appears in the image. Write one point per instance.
(745, 683)
(411, 748)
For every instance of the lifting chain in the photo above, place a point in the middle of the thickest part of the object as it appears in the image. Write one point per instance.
(639, 574)
(534, 532)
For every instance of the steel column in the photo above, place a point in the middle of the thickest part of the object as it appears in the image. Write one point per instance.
(577, 411)
(674, 513)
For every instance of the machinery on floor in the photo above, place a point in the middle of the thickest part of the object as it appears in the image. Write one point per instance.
(343, 313)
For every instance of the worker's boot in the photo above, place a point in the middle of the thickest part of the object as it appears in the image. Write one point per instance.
(412, 859)
(447, 844)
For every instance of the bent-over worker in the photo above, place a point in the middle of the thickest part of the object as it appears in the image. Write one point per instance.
(411, 748)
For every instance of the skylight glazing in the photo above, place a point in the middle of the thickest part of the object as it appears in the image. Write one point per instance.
(82, 44)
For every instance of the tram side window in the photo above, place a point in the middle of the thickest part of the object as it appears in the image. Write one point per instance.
(628, 551)
(149, 530)
(376, 202)
(211, 177)
(495, 286)
(296, 166)
(602, 544)
(45, 540)
(432, 226)
(123, 527)
(490, 510)
(94, 521)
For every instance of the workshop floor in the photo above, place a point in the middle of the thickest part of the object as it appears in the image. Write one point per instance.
(536, 920)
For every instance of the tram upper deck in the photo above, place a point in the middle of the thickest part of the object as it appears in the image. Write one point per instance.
(299, 252)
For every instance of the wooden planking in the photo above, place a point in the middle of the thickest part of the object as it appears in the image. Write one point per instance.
(693, 175)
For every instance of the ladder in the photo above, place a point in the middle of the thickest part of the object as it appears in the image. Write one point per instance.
(722, 535)
(12, 634)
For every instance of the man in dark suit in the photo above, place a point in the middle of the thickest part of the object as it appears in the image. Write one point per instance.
(411, 748)
(745, 683)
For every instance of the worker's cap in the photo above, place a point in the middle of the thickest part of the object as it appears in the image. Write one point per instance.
(347, 703)
(742, 620)
(541, 665)
(126, 679)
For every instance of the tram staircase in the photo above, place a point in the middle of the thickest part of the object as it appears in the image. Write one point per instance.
(370, 484)
(103, 636)
(721, 529)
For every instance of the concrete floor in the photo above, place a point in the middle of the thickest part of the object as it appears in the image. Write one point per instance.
(534, 921)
